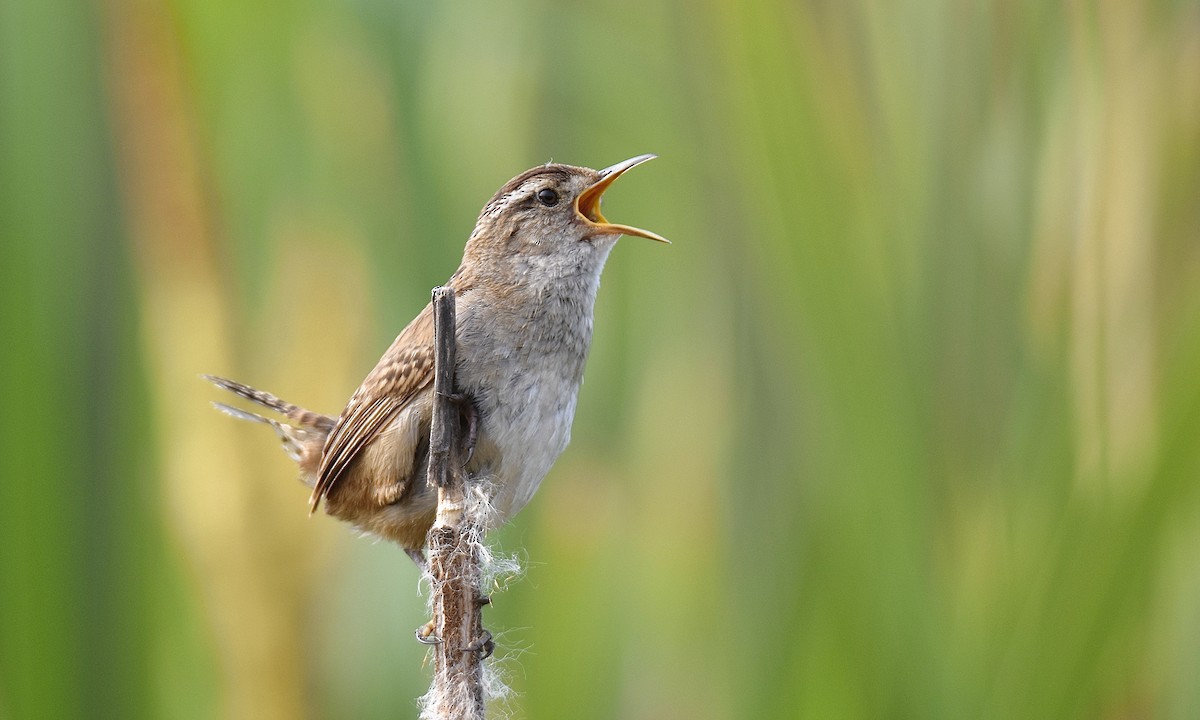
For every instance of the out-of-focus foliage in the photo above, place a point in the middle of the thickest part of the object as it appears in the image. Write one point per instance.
(906, 423)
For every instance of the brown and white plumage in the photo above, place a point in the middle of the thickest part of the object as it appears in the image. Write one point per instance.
(303, 442)
(404, 372)
(525, 292)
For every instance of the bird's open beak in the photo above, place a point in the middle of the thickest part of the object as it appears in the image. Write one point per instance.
(588, 202)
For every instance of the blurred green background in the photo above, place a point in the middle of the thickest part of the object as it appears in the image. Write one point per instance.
(906, 423)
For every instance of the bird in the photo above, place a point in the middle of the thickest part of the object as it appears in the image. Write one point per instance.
(525, 293)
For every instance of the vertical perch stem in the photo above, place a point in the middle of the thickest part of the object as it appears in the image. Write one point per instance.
(457, 690)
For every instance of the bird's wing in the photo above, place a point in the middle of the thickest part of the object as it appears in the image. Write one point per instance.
(403, 371)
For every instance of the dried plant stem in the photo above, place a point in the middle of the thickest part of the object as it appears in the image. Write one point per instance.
(454, 558)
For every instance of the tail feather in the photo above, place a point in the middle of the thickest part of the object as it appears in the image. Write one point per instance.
(307, 418)
(243, 414)
(298, 443)
(303, 442)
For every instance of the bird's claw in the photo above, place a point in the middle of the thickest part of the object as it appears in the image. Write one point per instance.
(482, 643)
(425, 636)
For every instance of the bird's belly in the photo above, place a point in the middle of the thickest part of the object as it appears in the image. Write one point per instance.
(526, 418)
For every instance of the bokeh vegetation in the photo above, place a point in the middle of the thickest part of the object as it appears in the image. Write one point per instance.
(906, 423)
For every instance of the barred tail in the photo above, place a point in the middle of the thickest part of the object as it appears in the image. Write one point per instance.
(307, 418)
(303, 442)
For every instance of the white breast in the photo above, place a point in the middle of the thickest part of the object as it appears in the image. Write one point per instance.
(531, 430)
(523, 369)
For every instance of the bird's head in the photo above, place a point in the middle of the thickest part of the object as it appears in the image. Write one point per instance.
(549, 217)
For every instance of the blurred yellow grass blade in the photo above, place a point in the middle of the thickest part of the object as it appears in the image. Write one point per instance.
(250, 591)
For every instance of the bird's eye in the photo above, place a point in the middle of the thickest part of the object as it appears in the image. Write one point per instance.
(547, 197)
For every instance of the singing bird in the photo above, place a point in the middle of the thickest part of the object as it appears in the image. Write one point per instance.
(525, 293)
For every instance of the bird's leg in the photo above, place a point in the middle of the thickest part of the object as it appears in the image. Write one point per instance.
(418, 557)
(470, 415)
(484, 642)
(424, 633)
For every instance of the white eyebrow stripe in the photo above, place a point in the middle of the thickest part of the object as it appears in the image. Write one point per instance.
(508, 199)
(529, 179)
(501, 203)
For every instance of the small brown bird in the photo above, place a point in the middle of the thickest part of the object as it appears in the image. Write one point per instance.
(524, 292)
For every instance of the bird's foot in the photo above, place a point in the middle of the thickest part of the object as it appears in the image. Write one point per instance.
(483, 644)
(425, 634)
